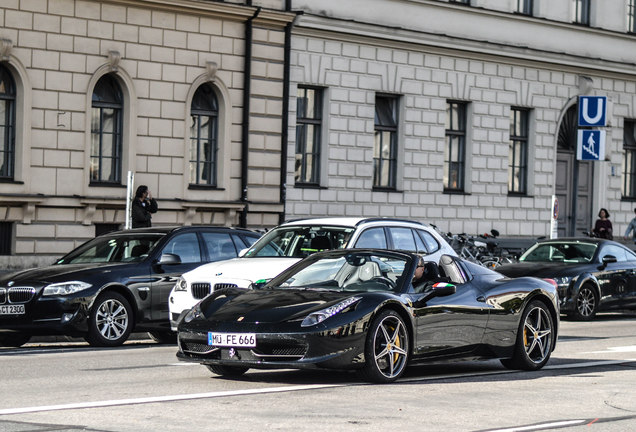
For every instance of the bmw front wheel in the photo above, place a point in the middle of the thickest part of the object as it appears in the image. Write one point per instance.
(111, 320)
(386, 349)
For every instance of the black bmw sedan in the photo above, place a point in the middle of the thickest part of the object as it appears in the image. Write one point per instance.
(111, 285)
(592, 274)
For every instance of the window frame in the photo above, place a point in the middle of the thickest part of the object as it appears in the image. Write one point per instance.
(522, 139)
(460, 135)
(8, 149)
(631, 16)
(525, 7)
(381, 179)
(212, 115)
(581, 12)
(116, 139)
(308, 161)
(628, 180)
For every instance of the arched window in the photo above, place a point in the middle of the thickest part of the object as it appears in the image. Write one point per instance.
(203, 137)
(7, 124)
(106, 131)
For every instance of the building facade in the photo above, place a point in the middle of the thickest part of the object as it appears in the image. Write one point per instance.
(461, 113)
(186, 95)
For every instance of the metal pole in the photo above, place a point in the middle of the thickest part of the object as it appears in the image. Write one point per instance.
(129, 197)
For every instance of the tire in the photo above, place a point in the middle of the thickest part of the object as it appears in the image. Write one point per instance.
(585, 304)
(164, 337)
(386, 349)
(535, 338)
(110, 320)
(227, 371)
(14, 340)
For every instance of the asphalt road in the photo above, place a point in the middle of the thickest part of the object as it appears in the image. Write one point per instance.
(588, 385)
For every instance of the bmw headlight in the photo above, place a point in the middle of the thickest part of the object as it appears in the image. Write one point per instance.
(193, 314)
(65, 288)
(563, 281)
(321, 315)
(181, 285)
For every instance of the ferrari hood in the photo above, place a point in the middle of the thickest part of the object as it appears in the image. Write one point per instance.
(240, 269)
(269, 306)
(542, 269)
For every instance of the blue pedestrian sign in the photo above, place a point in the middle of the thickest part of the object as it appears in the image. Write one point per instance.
(592, 110)
(590, 145)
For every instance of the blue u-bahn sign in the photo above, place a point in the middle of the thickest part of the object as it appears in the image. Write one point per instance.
(592, 110)
(590, 145)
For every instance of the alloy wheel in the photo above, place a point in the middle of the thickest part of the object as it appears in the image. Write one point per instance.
(537, 334)
(586, 302)
(112, 319)
(391, 346)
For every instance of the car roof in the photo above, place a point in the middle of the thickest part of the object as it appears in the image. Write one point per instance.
(348, 221)
(169, 229)
(577, 239)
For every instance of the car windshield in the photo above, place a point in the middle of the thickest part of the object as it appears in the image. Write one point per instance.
(571, 252)
(109, 249)
(353, 271)
(300, 241)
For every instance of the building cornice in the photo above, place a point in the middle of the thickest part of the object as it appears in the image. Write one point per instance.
(390, 37)
(212, 9)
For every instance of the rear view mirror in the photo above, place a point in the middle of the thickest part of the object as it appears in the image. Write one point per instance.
(607, 259)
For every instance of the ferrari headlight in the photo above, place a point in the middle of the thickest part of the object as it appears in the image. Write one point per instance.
(181, 285)
(563, 281)
(65, 288)
(321, 315)
(193, 314)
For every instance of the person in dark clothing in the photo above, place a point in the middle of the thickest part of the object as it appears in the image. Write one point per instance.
(603, 226)
(142, 207)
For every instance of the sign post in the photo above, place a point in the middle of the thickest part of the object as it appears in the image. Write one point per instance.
(554, 222)
(129, 197)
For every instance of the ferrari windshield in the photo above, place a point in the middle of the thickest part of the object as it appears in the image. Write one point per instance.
(109, 249)
(570, 252)
(355, 271)
(300, 241)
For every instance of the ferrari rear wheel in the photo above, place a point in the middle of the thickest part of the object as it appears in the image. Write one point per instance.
(534, 338)
(227, 371)
(585, 304)
(386, 348)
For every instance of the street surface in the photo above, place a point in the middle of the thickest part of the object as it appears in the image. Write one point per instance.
(588, 385)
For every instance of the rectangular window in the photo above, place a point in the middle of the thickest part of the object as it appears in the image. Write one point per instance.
(629, 160)
(385, 144)
(525, 7)
(308, 125)
(106, 145)
(631, 24)
(105, 228)
(455, 149)
(6, 237)
(518, 152)
(581, 11)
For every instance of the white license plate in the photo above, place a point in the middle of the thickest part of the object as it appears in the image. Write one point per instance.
(246, 340)
(12, 310)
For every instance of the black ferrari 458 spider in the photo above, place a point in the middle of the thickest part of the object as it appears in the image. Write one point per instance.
(366, 309)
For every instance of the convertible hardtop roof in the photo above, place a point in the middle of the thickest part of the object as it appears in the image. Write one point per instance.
(577, 240)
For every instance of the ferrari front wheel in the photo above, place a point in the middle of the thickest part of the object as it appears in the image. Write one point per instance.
(535, 338)
(386, 348)
(227, 371)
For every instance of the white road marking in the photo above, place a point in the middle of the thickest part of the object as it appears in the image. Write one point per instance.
(619, 349)
(172, 398)
(543, 426)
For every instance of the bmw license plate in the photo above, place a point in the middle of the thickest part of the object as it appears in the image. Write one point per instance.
(239, 340)
(12, 310)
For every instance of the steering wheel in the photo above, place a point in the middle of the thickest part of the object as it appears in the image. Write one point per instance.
(385, 280)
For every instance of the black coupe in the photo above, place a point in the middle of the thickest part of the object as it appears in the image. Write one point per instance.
(592, 274)
(360, 309)
(111, 285)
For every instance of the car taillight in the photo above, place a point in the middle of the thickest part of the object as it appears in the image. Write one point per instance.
(553, 282)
